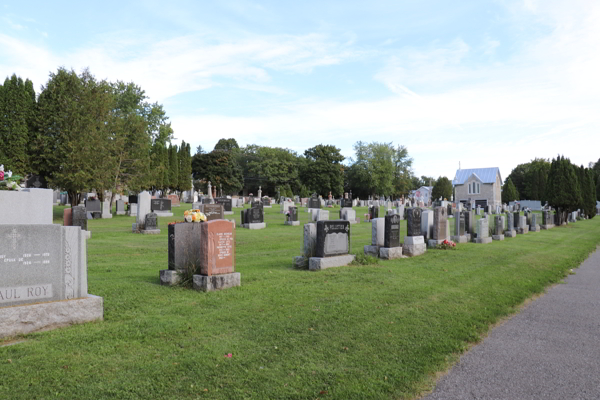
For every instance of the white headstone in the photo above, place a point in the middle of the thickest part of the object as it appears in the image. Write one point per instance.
(143, 208)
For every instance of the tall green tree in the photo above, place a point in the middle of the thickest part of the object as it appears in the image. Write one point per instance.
(322, 171)
(74, 132)
(562, 187)
(374, 170)
(402, 171)
(269, 167)
(173, 168)
(509, 191)
(219, 167)
(442, 188)
(185, 167)
(17, 124)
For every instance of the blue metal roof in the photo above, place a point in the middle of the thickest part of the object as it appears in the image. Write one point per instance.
(487, 175)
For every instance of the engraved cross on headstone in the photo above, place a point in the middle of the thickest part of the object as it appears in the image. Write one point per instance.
(14, 236)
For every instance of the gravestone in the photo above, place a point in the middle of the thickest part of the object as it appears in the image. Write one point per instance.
(292, 216)
(322, 215)
(440, 226)
(256, 204)
(309, 247)
(377, 232)
(151, 224)
(120, 206)
(314, 201)
(414, 243)
(460, 235)
(143, 208)
(210, 246)
(449, 211)
(43, 271)
(132, 209)
(510, 225)
(133, 199)
(517, 219)
(162, 207)
(174, 200)
(348, 214)
(391, 238)
(93, 208)
(374, 211)
(332, 245)
(413, 222)
(106, 208)
(226, 203)
(427, 224)
(254, 218)
(79, 217)
(498, 228)
(483, 231)
(266, 202)
(547, 220)
(401, 211)
(183, 244)
(213, 211)
(534, 226)
(285, 206)
(68, 217)
(523, 227)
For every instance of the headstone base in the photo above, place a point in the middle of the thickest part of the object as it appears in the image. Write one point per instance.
(121, 213)
(433, 243)
(371, 250)
(27, 318)
(163, 214)
(534, 229)
(267, 206)
(522, 231)
(300, 262)
(292, 223)
(549, 226)
(484, 240)
(319, 263)
(497, 237)
(217, 282)
(510, 233)
(169, 277)
(390, 253)
(150, 231)
(256, 225)
(227, 212)
(414, 246)
(459, 239)
(106, 216)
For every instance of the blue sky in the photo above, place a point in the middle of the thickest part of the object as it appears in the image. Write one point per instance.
(483, 83)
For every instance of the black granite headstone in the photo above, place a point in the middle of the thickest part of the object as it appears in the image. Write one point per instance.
(293, 215)
(133, 199)
(314, 201)
(160, 204)
(332, 238)
(244, 216)
(266, 202)
(256, 204)
(517, 219)
(184, 245)
(413, 222)
(449, 207)
(227, 203)
(79, 217)
(374, 211)
(470, 222)
(255, 215)
(391, 236)
(151, 221)
(37, 182)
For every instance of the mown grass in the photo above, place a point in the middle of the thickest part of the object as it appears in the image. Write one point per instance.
(359, 332)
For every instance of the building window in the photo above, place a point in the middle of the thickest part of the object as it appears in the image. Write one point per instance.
(477, 187)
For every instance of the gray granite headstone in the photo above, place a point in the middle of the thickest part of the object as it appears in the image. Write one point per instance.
(79, 217)
(184, 245)
(213, 211)
(41, 263)
(151, 221)
(413, 222)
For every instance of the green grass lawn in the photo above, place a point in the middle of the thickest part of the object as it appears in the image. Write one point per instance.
(378, 331)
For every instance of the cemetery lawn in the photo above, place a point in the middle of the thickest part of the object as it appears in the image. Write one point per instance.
(378, 331)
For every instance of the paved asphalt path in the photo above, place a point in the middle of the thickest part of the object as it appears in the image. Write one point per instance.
(550, 350)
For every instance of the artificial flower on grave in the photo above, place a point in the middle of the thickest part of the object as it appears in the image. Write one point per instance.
(194, 216)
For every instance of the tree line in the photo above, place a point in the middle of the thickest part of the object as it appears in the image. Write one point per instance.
(378, 169)
(80, 134)
(559, 182)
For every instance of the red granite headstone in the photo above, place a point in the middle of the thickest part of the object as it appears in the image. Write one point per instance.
(174, 200)
(217, 248)
(67, 217)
